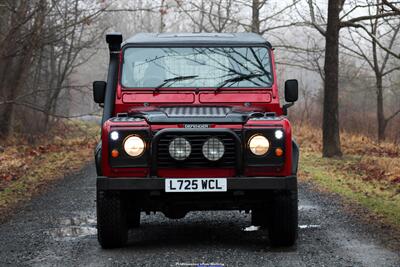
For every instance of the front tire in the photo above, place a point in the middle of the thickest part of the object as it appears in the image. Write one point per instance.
(112, 227)
(283, 218)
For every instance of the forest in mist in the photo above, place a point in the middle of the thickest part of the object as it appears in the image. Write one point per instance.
(52, 50)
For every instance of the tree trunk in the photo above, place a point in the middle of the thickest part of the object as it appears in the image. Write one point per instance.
(379, 112)
(380, 116)
(51, 85)
(32, 42)
(255, 18)
(330, 123)
(163, 11)
(9, 78)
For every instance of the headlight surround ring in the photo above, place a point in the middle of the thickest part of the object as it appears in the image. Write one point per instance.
(213, 149)
(134, 146)
(258, 145)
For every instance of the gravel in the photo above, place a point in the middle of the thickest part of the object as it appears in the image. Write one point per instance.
(59, 229)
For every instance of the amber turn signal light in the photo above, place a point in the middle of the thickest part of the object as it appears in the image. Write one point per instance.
(114, 153)
(279, 152)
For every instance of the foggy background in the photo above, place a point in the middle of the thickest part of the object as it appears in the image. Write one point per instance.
(51, 51)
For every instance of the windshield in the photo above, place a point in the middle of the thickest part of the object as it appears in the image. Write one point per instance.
(209, 66)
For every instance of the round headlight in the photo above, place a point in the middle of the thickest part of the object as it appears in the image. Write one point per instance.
(134, 146)
(180, 148)
(213, 149)
(258, 145)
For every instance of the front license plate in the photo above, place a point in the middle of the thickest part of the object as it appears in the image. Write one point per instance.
(195, 185)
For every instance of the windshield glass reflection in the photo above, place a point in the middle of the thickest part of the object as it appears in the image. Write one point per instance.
(209, 67)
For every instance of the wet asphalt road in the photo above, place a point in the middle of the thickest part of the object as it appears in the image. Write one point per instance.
(59, 229)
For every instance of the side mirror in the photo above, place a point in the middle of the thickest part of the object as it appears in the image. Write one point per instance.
(291, 94)
(291, 91)
(99, 91)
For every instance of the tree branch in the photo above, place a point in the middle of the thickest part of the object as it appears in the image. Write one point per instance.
(351, 22)
(392, 116)
(375, 39)
(392, 6)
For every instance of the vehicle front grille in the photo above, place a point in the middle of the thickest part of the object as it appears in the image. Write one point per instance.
(196, 158)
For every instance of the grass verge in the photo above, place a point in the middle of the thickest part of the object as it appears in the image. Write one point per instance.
(368, 174)
(26, 169)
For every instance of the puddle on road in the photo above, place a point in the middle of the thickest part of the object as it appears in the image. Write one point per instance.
(251, 228)
(72, 232)
(308, 207)
(72, 228)
(309, 226)
(82, 226)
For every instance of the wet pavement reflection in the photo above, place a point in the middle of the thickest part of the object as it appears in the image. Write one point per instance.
(72, 228)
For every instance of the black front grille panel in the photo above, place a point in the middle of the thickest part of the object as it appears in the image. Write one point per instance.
(203, 111)
(196, 158)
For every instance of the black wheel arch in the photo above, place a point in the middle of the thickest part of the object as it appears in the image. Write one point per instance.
(295, 157)
(97, 159)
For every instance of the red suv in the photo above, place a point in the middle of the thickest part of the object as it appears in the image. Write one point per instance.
(192, 122)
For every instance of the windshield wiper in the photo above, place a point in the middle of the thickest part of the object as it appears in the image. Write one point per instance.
(171, 81)
(238, 78)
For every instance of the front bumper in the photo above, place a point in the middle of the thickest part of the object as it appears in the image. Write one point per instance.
(233, 183)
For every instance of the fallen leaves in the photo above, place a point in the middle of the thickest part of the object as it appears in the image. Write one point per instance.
(310, 138)
(25, 168)
(371, 160)
(396, 181)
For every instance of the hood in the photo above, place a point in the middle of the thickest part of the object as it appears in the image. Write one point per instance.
(196, 114)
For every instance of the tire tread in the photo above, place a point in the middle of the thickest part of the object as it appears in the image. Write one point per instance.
(283, 219)
(112, 230)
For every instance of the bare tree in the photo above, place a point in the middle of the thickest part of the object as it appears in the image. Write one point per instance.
(335, 22)
(381, 35)
(40, 46)
(212, 16)
(27, 35)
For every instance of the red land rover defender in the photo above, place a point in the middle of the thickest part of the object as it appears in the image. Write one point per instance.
(192, 122)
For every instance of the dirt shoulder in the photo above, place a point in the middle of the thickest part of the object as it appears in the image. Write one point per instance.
(30, 165)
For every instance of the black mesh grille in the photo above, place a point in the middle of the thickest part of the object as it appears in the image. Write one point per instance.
(196, 158)
(203, 111)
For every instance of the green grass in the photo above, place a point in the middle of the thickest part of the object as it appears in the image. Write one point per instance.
(380, 197)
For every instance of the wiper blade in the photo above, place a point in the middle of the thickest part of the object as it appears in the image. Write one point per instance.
(238, 78)
(173, 80)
